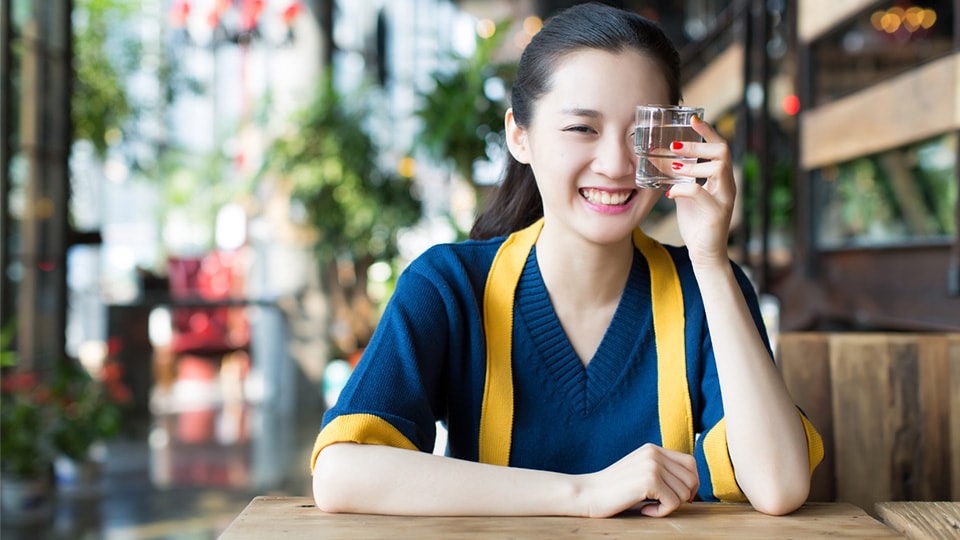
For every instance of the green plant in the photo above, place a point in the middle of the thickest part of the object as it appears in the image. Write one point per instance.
(779, 198)
(61, 413)
(99, 101)
(88, 408)
(355, 206)
(26, 414)
(8, 356)
(459, 114)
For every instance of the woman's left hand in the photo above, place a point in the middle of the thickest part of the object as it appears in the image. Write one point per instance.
(704, 211)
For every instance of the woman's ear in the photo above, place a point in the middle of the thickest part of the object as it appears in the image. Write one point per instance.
(516, 138)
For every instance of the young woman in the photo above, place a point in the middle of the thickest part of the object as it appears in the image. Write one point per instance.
(580, 367)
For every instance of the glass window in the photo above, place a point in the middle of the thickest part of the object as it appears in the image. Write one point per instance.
(904, 195)
(887, 39)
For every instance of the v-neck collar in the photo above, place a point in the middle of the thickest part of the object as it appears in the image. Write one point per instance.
(584, 386)
(499, 304)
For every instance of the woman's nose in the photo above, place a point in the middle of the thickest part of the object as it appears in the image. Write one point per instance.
(615, 158)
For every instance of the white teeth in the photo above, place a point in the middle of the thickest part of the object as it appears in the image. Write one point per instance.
(597, 196)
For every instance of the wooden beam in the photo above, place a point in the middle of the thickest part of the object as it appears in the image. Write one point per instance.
(715, 88)
(817, 17)
(916, 105)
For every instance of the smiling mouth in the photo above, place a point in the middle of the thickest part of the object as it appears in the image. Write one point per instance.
(607, 198)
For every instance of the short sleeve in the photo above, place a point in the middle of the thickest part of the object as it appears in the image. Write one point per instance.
(717, 479)
(391, 396)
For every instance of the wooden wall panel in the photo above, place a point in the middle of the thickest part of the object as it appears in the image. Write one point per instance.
(933, 470)
(953, 348)
(894, 408)
(867, 406)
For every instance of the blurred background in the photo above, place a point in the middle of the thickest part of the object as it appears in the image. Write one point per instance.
(204, 205)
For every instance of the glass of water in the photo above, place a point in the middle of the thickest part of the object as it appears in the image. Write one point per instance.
(657, 126)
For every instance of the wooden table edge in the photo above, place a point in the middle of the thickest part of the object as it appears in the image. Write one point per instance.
(296, 503)
(901, 516)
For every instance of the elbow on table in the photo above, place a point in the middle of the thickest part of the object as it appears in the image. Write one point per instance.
(329, 487)
(781, 499)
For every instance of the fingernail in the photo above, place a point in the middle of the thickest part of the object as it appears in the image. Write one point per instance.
(696, 119)
(668, 194)
(676, 145)
(676, 165)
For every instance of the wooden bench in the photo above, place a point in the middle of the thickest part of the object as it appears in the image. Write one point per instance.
(888, 408)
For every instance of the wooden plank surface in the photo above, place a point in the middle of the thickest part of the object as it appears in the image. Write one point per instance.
(922, 520)
(931, 462)
(894, 403)
(868, 401)
(296, 518)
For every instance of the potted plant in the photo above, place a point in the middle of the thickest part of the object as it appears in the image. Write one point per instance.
(26, 449)
(88, 412)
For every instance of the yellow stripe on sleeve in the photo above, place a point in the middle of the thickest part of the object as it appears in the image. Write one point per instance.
(715, 451)
(814, 443)
(359, 428)
(722, 476)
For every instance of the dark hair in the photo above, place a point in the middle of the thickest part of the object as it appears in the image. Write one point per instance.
(516, 202)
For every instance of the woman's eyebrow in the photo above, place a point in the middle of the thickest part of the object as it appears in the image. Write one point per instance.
(579, 111)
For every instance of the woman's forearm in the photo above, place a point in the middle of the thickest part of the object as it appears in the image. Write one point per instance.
(765, 435)
(384, 480)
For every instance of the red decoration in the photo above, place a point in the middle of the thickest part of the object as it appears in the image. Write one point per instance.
(291, 12)
(791, 104)
(179, 12)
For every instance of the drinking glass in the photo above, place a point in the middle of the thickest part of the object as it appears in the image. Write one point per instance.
(657, 126)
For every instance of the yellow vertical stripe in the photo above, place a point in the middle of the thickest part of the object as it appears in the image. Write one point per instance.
(676, 412)
(496, 416)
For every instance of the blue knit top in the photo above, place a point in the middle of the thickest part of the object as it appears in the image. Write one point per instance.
(426, 363)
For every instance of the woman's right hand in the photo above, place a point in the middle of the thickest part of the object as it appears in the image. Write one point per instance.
(650, 473)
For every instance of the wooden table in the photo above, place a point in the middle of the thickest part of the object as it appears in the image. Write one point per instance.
(296, 518)
(922, 520)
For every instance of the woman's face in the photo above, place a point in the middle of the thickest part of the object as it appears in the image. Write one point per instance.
(580, 143)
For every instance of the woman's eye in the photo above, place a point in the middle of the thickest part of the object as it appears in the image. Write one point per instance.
(580, 129)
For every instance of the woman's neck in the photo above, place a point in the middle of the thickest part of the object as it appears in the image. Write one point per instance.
(580, 274)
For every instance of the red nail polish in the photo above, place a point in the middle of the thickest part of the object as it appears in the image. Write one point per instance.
(676, 145)
(676, 165)
(668, 194)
